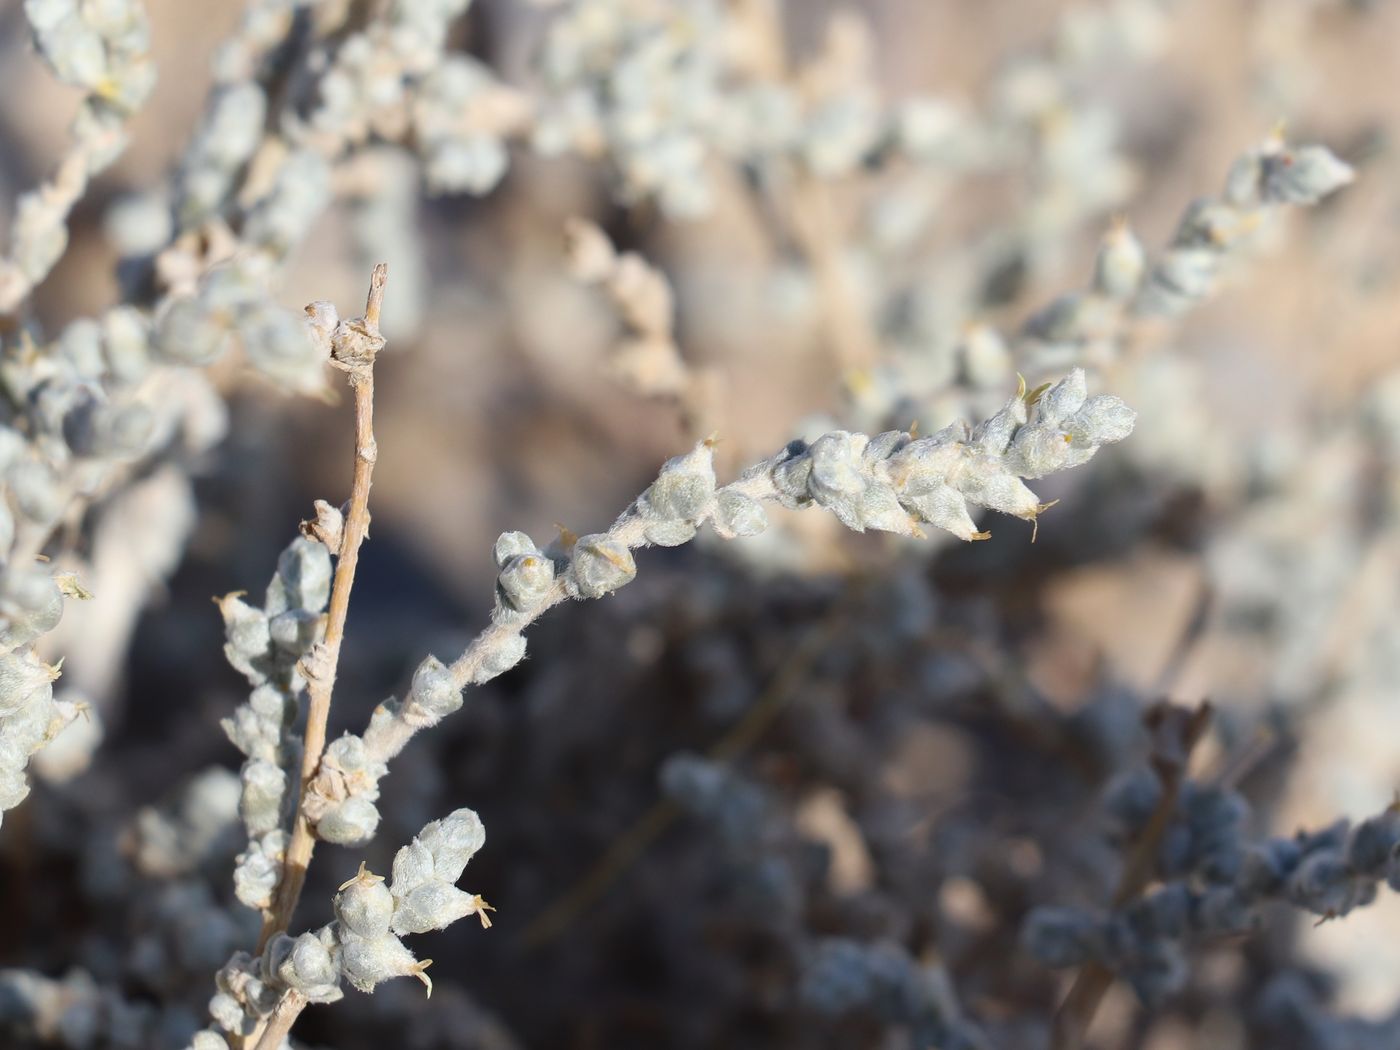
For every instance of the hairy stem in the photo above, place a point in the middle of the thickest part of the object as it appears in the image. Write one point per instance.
(320, 666)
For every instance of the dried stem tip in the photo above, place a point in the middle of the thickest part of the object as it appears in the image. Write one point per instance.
(355, 343)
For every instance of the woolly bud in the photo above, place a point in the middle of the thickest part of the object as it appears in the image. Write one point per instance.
(264, 788)
(684, 487)
(305, 965)
(31, 604)
(189, 333)
(1102, 420)
(351, 823)
(986, 483)
(1324, 884)
(1062, 399)
(1119, 265)
(13, 787)
(364, 905)
(36, 491)
(258, 870)
(993, 435)
(303, 579)
(367, 963)
(1371, 847)
(791, 475)
(250, 639)
(738, 515)
(1181, 277)
(434, 905)
(295, 631)
(600, 565)
(498, 657)
(943, 506)
(433, 691)
(524, 580)
(511, 544)
(440, 851)
(21, 675)
(1304, 175)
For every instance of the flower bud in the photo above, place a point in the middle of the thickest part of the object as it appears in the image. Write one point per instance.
(524, 580)
(364, 905)
(351, 823)
(600, 565)
(433, 690)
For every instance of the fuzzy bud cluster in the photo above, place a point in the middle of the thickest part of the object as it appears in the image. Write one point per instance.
(892, 482)
(1214, 882)
(362, 946)
(104, 50)
(266, 644)
(31, 603)
(1214, 229)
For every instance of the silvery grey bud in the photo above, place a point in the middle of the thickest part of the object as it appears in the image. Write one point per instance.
(264, 789)
(306, 965)
(1183, 276)
(738, 515)
(1119, 265)
(369, 962)
(351, 823)
(433, 690)
(433, 905)
(364, 905)
(1062, 399)
(524, 580)
(303, 579)
(944, 507)
(36, 491)
(439, 852)
(1304, 175)
(1102, 420)
(31, 604)
(21, 675)
(792, 474)
(189, 333)
(684, 488)
(295, 631)
(511, 544)
(258, 870)
(601, 565)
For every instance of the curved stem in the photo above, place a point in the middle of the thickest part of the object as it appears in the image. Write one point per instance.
(320, 665)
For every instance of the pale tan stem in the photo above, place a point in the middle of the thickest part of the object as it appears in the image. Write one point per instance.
(281, 1021)
(320, 666)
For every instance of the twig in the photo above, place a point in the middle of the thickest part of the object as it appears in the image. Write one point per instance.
(289, 1008)
(319, 667)
(1175, 732)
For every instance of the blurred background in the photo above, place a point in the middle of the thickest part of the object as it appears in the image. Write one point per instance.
(918, 731)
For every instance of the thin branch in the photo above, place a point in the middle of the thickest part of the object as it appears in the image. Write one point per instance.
(356, 358)
(289, 1008)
